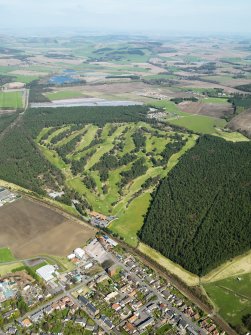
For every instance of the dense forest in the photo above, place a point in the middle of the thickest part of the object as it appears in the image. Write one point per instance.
(6, 120)
(201, 214)
(22, 163)
(38, 118)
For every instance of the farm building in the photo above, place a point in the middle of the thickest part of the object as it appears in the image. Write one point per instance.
(88, 265)
(6, 196)
(79, 253)
(71, 257)
(95, 250)
(46, 272)
(13, 86)
(55, 195)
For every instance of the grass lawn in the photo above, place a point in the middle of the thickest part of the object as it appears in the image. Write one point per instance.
(11, 100)
(59, 95)
(6, 255)
(131, 220)
(188, 277)
(232, 297)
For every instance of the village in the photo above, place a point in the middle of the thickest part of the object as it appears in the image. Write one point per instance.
(108, 291)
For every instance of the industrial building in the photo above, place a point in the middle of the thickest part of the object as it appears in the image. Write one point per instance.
(46, 272)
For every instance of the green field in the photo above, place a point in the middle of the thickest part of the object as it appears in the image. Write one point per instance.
(232, 297)
(59, 95)
(6, 255)
(199, 123)
(11, 100)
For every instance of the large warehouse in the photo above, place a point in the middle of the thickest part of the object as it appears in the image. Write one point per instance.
(46, 272)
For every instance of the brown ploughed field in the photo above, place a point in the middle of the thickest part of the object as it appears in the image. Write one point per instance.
(30, 228)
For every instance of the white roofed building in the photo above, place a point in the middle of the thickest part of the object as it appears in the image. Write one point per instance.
(46, 272)
(79, 253)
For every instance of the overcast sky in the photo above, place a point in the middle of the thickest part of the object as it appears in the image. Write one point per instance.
(141, 16)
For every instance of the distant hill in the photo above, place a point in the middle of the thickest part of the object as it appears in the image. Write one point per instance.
(201, 214)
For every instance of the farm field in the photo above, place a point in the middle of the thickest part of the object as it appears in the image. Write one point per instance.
(60, 95)
(193, 116)
(199, 123)
(11, 100)
(31, 229)
(232, 297)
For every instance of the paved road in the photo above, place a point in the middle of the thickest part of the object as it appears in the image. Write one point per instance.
(69, 294)
(160, 298)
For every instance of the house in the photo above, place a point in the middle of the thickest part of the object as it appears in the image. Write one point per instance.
(146, 323)
(183, 324)
(89, 306)
(107, 321)
(81, 322)
(169, 314)
(151, 307)
(129, 328)
(37, 316)
(116, 307)
(111, 296)
(88, 266)
(12, 330)
(26, 323)
(90, 328)
(112, 270)
(133, 318)
(48, 309)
